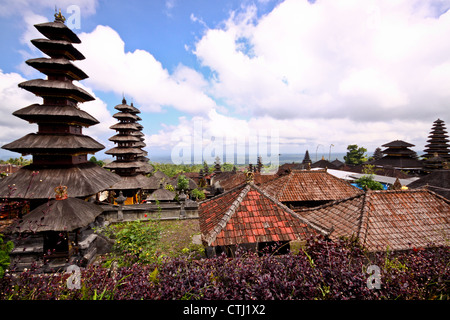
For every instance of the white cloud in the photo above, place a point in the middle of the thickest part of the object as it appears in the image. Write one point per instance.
(13, 98)
(332, 59)
(139, 75)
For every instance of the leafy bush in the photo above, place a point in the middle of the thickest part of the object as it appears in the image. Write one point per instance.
(5, 250)
(321, 270)
(198, 194)
(366, 182)
(135, 241)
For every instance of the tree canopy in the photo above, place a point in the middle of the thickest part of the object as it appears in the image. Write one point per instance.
(355, 155)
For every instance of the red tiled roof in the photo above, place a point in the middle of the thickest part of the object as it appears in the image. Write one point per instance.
(229, 180)
(247, 214)
(399, 219)
(309, 185)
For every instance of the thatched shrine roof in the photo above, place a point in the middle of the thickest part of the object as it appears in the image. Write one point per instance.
(57, 31)
(162, 195)
(37, 182)
(124, 138)
(56, 88)
(37, 113)
(58, 48)
(125, 115)
(51, 143)
(437, 181)
(120, 151)
(124, 126)
(57, 66)
(59, 215)
(136, 182)
(123, 165)
(124, 107)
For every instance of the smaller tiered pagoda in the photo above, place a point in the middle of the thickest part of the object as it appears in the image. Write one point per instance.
(398, 155)
(129, 163)
(438, 148)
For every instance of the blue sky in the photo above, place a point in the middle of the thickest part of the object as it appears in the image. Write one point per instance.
(316, 74)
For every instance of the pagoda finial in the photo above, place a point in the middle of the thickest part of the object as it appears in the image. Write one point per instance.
(124, 101)
(59, 17)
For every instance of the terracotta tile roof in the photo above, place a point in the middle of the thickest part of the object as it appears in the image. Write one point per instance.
(247, 214)
(309, 185)
(229, 180)
(399, 219)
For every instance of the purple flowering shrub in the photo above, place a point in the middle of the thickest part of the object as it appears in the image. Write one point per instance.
(321, 270)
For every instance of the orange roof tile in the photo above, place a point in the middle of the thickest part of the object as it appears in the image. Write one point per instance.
(247, 214)
(309, 185)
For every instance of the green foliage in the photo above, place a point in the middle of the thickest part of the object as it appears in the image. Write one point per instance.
(135, 240)
(355, 155)
(367, 182)
(169, 187)
(172, 170)
(5, 250)
(21, 161)
(98, 162)
(198, 194)
(182, 183)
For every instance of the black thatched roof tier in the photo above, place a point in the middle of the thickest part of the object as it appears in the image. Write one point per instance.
(51, 66)
(120, 151)
(398, 144)
(56, 88)
(54, 144)
(124, 107)
(398, 162)
(145, 167)
(125, 115)
(57, 31)
(124, 138)
(140, 144)
(136, 182)
(37, 182)
(122, 165)
(37, 113)
(138, 134)
(57, 48)
(399, 151)
(162, 195)
(437, 181)
(59, 215)
(124, 126)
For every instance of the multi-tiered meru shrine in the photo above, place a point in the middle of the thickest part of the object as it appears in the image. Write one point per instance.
(131, 162)
(59, 148)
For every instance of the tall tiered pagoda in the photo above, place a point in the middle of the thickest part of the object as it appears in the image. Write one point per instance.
(130, 158)
(438, 144)
(59, 148)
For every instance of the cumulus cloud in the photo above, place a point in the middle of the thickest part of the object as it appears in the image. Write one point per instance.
(362, 60)
(13, 98)
(139, 75)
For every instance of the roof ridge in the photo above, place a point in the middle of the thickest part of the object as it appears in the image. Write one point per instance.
(223, 194)
(321, 229)
(362, 216)
(288, 180)
(211, 237)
